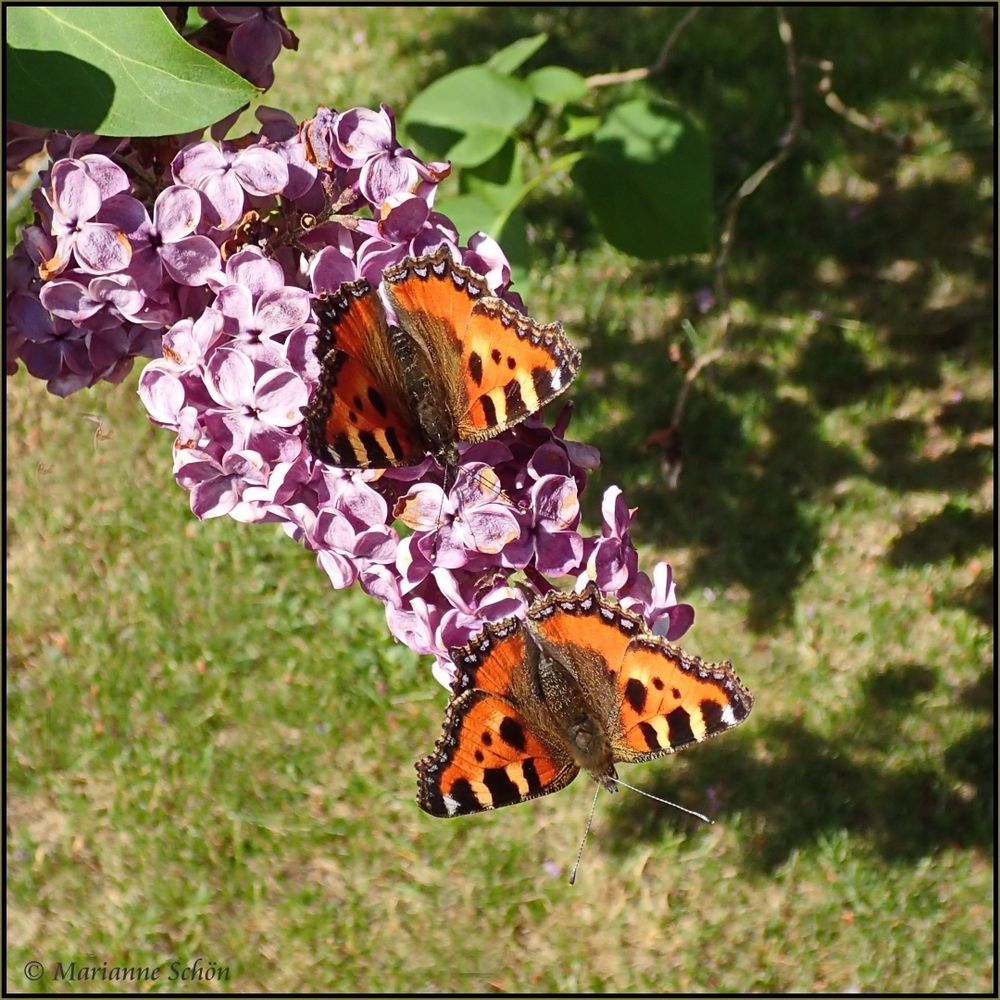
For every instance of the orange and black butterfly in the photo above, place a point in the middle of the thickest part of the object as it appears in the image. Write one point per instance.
(580, 683)
(458, 364)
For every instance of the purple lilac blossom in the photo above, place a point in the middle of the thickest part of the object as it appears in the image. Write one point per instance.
(215, 270)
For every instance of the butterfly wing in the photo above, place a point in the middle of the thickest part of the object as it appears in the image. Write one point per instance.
(653, 698)
(669, 700)
(493, 365)
(359, 416)
(491, 753)
(487, 757)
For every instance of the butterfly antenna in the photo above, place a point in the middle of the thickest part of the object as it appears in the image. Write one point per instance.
(666, 802)
(586, 833)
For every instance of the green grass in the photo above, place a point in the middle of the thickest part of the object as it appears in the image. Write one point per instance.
(210, 753)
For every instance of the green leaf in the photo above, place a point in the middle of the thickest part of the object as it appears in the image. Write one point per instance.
(647, 181)
(469, 212)
(472, 213)
(578, 126)
(500, 180)
(472, 110)
(120, 71)
(516, 54)
(477, 147)
(556, 85)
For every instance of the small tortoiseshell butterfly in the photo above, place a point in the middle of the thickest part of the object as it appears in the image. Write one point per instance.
(580, 683)
(460, 365)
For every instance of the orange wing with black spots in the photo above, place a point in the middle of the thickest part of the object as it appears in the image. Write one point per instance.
(359, 416)
(580, 683)
(460, 365)
(658, 699)
(669, 700)
(489, 754)
(496, 365)
(487, 757)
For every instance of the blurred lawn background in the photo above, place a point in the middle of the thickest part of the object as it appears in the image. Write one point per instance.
(210, 752)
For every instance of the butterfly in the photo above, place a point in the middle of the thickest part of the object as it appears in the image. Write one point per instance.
(458, 364)
(580, 683)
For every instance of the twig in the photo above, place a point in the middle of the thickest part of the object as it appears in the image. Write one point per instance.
(855, 117)
(644, 72)
(754, 181)
(747, 188)
(692, 373)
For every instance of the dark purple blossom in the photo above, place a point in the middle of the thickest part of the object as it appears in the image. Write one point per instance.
(258, 35)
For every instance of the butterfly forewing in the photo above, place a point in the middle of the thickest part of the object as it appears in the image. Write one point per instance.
(507, 377)
(669, 700)
(359, 416)
(495, 364)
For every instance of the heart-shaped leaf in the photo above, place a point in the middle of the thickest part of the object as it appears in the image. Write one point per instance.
(647, 181)
(556, 85)
(508, 59)
(472, 110)
(119, 71)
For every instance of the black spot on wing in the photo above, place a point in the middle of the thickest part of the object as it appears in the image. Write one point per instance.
(496, 356)
(501, 788)
(712, 713)
(461, 791)
(649, 735)
(542, 380)
(343, 449)
(512, 733)
(531, 775)
(373, 450)
(515, 403)
(393, 442)
(635, 694)
(476, 368)
(489, 411)
(375, 398)
(680, 730)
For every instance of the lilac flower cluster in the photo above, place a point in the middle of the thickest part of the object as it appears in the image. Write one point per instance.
(226, 254)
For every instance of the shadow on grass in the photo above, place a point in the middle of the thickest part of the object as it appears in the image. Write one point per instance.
(756, 468)
(801, 784)
(954, 533)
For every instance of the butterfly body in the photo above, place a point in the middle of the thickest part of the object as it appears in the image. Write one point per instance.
(580, 684)
(447, 362)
